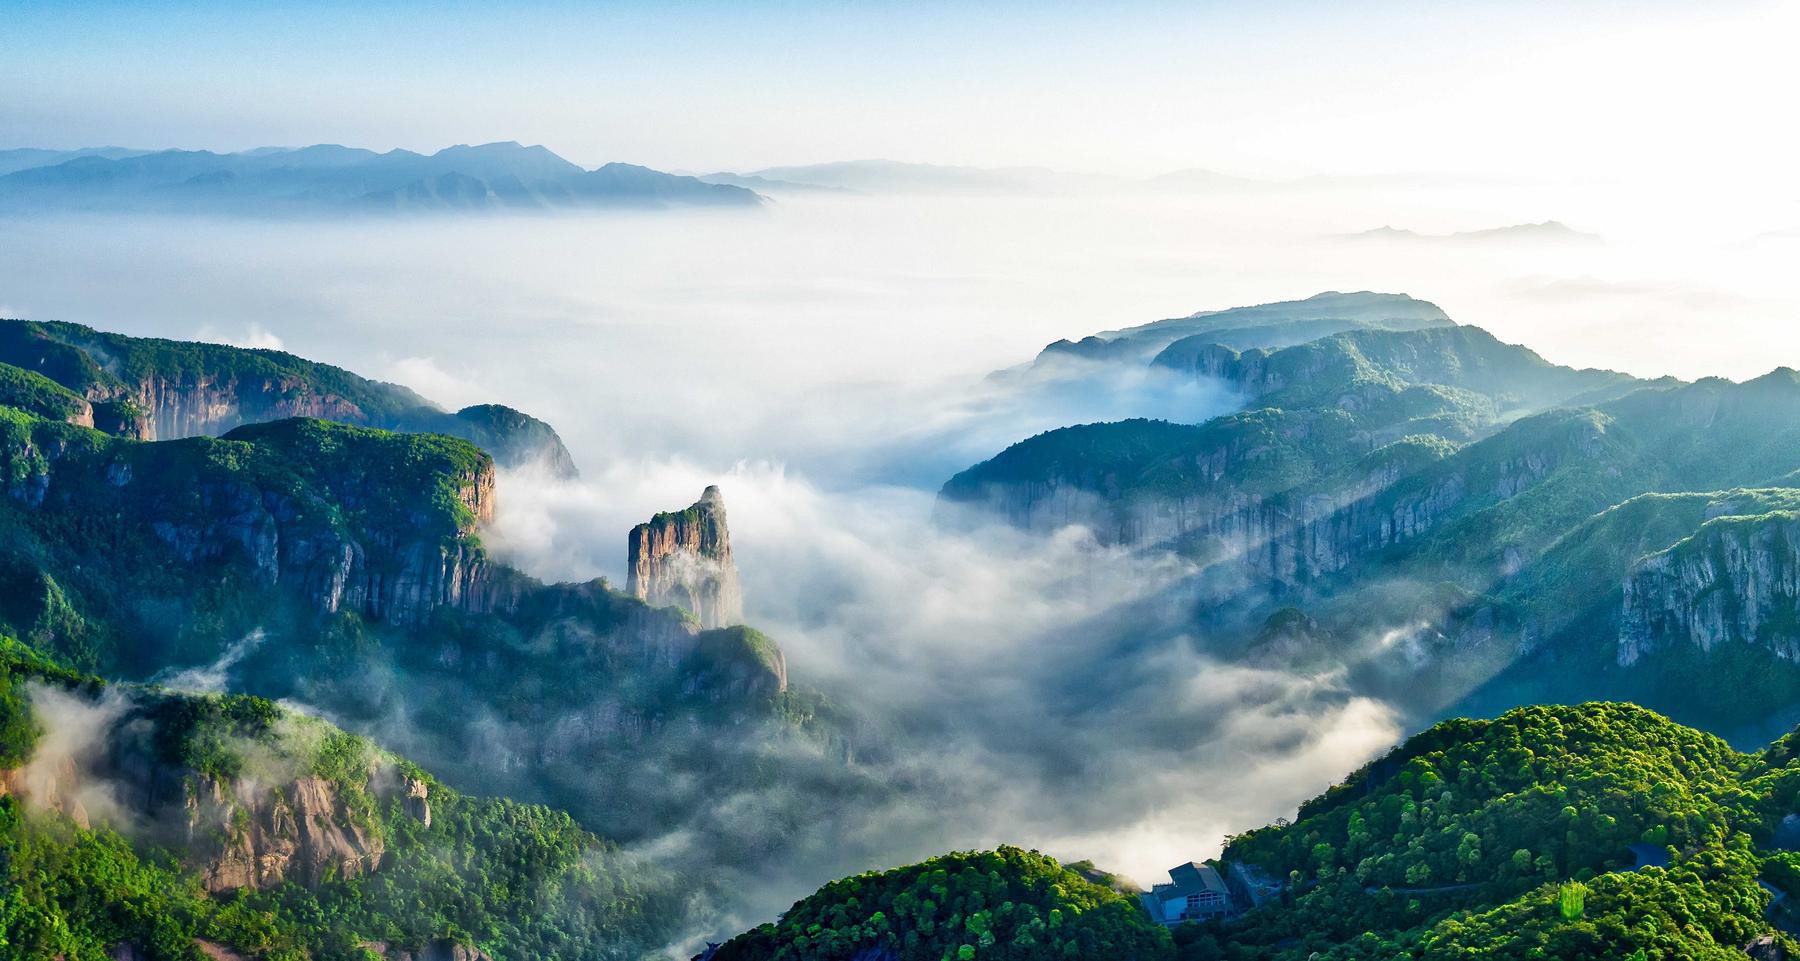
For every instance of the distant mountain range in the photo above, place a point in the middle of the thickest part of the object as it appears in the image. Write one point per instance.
(1548, 232)
(333, 178)
(329, 178)
(894, 176)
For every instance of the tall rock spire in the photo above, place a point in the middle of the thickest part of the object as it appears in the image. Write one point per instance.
(684, 558)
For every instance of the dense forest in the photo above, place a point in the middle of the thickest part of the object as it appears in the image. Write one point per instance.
(1599, 831)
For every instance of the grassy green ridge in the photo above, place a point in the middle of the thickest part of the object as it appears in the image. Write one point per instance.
(116, 361)
(111, 370)
(34, 393)
(1460, 842)
(1315, 409)
(1262, 325)
(1518, 837)
(1321, 372)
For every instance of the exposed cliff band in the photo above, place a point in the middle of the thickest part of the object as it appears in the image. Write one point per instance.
(683, 558)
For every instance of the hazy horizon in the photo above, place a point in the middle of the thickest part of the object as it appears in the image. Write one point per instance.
(1150, 87)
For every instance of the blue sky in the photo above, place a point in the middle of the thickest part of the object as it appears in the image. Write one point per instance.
(1578, 88)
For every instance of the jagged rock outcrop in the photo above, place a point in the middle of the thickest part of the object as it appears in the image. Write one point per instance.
(417, 801)
(684, 559)
(248, 836)
(1737, 579)
(1766, 947)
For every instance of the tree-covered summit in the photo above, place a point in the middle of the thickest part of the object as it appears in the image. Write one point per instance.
(1003, 904)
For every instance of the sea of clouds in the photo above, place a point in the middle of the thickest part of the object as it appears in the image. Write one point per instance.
(826, 362)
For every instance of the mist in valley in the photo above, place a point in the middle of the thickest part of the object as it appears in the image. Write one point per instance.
(827, 361)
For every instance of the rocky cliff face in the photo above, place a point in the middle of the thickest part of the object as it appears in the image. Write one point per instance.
(684, 559)
(207, 405)
(395, 567)
(1737, 580)
(386, 576)
(245, 836)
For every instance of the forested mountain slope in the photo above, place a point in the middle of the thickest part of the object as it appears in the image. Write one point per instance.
(1415, 500)
(139, 823)
(1598, 831)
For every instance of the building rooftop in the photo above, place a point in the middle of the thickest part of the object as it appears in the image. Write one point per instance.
(1190, 878)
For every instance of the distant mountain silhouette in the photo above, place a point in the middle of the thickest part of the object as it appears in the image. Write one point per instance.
(24, 158)
(1548, 232)
(765, 185)
(894, 176)
(331, 178)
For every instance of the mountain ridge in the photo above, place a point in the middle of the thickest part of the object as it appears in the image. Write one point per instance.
(330, 178)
